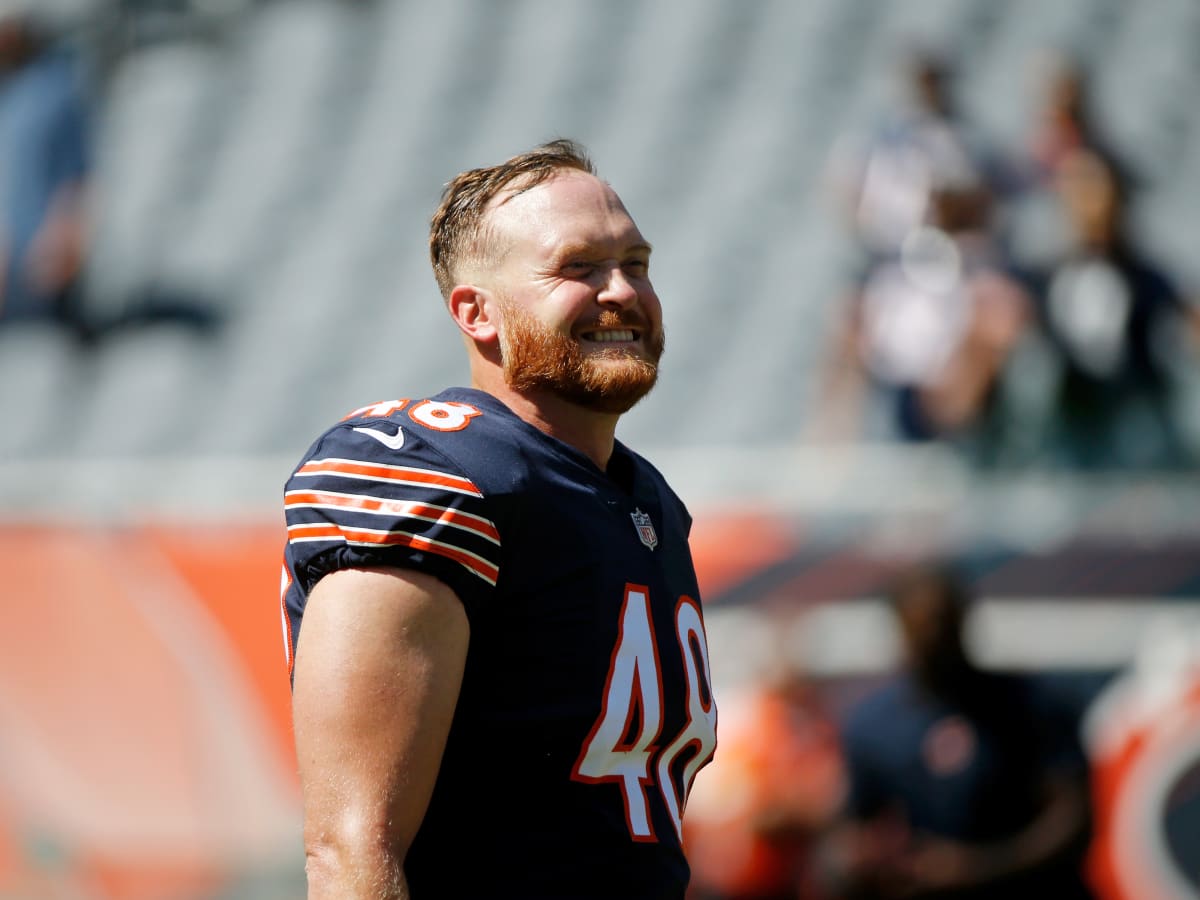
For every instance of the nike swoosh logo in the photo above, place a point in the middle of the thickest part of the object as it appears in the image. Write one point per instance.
(393, 441)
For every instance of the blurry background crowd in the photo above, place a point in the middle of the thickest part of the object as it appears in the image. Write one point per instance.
(947, 221)
(932, 293)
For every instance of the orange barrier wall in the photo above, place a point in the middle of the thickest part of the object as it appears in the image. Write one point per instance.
(144, 708)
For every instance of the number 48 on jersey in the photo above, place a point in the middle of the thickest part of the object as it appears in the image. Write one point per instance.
(639, 763)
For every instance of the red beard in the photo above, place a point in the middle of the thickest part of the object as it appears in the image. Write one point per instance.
(537, 357)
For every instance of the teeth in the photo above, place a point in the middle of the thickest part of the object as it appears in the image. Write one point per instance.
(606, 337)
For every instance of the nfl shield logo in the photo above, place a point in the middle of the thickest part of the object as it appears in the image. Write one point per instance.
(645, 528)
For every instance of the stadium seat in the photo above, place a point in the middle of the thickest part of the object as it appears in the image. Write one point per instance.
(146, 394)
(41, 366)
(158, 119)
(286, 171)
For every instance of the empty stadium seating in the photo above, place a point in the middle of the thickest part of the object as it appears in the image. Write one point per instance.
(283, 166)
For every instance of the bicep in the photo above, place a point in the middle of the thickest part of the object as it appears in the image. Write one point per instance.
(379, 664)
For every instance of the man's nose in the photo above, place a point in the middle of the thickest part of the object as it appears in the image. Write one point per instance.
(617, 290)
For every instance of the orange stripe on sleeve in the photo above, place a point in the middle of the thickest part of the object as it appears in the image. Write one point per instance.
(382, 472)
(383, 506)
(486, 570)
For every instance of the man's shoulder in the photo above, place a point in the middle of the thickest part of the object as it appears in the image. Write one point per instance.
(380, 488)
(458, 431)
(645, 471)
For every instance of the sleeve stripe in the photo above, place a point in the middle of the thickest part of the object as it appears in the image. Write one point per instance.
(474, 563)
(366, 503)
(348, 468)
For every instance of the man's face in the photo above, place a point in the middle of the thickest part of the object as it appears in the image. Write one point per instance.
(580, 318)
(12, 40)
(931, 626)
(1090, 197)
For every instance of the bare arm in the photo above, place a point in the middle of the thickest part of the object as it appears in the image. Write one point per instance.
(1002, 313)
(59, 249)
(378, 669)
(1061, 825)
(883, 858)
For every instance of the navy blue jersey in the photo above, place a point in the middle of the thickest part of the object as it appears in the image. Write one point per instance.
(585, 710)
(968, 771)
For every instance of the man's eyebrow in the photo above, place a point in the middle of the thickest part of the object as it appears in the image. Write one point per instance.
(584, 249)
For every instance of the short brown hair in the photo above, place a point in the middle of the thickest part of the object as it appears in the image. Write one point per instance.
(456, 231)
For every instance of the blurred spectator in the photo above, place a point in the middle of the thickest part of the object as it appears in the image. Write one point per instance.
(44, 165)
(888, 180)
(932, 328)
(962, 783)
(753, 818)
(1067, 122)
(1115, 318)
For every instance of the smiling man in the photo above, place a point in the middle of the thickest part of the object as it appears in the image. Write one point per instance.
(500, 674)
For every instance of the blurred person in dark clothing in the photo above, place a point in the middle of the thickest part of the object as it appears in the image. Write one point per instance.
(962, 783)
(1115, 318)
(44, 166)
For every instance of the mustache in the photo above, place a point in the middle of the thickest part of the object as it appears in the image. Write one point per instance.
(626, 319)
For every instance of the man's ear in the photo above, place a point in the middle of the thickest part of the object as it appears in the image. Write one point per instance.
(474, 310)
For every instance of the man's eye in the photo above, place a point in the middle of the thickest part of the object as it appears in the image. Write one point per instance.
(578, 269)
(637, 267)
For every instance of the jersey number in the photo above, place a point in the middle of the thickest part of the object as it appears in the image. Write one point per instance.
(448, 416)
(616, 750)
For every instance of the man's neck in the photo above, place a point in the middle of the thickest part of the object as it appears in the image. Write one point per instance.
(953, 680)
(591, 433)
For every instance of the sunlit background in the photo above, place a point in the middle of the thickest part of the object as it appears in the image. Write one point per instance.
(891, 337)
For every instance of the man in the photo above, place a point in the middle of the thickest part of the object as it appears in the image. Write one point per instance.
(962, 783)
(501, 681)
(1107, 307)
(44, 171)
